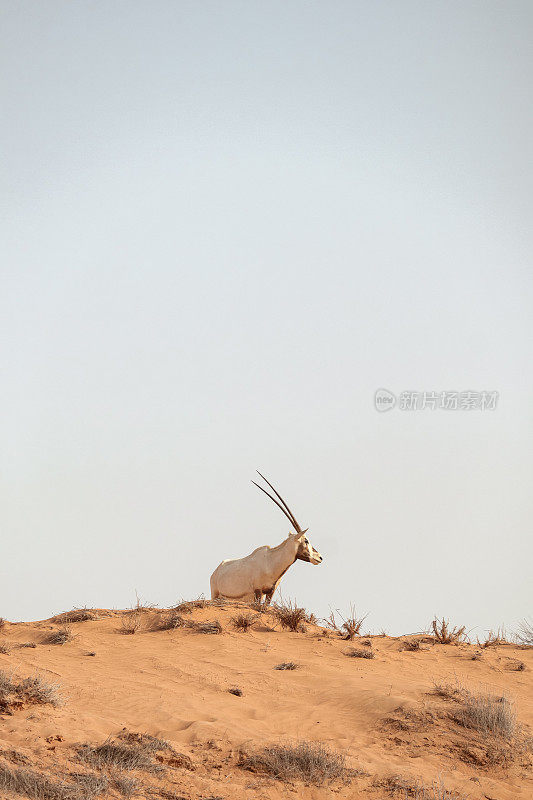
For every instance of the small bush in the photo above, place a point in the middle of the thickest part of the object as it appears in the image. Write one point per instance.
(2, 623)
(448, 691)
(27, 644)
(169, 622)
(236, 691)
(243, 622)
(356, 652)
(306, 761)
(493, 639)
(211, 626)
(128, 751)
(350, 627)
(32, 784)
(61, 636)
(416, 791)
(130, 623)
(488, 714)
(188, 606)
(31, 690)
(444, 635)
(36, 690)
(289, 665)
(290, 616)
(115, 754)
(410, 644)
(75, 615)
(4, 649)
(144, 741)
(525, 633)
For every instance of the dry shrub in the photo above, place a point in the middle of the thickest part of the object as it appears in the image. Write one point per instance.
(126, 785)
(32, 784)
(307, 761)
(172, 620)
(236, 691)
(289, 615)
(75, 615)
(525, 633)
(410, 644)
(488, 714)
(32, 690)
(289, 665)
(169, 622)
(448, 691)
(112, 754)
(188, 606)
(61, 636)
(357, 652)
(243, 622)
(417, 791)
(145, 742)
(90, 784)
(27, 644)
(4, 649)
(443, 634)
(2, 623)
(350, 627)
(117, 755)
(131, 622)
(211, 626)
(36, 690)
(493, 639)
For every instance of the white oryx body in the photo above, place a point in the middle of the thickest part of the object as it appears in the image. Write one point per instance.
(259, 573)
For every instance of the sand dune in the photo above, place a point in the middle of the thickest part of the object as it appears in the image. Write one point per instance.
(381, 713)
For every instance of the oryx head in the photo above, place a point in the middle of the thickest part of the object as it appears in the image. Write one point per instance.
(305, 551)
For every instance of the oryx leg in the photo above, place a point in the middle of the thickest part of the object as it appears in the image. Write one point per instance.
(258, 595)
(270, 592)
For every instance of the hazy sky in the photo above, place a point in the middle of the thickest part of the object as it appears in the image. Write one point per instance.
(224, 226)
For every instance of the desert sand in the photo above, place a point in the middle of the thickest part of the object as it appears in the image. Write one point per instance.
(382, 713)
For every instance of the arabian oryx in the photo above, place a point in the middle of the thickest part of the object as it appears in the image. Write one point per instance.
(260, 573)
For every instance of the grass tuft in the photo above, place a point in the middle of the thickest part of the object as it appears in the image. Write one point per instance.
(61, 636)
(126, 785)
(75, 615)
(290, 616)
(357, 652)
(307, 761)
(487, 713)
(169, 622)
(33, 690)
(115, 754)
(289, 665)
(243, 622)
(188, 606)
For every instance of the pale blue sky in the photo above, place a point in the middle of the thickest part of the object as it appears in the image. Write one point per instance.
(224, 226)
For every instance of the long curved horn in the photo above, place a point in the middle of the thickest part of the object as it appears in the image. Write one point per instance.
(288, 513)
